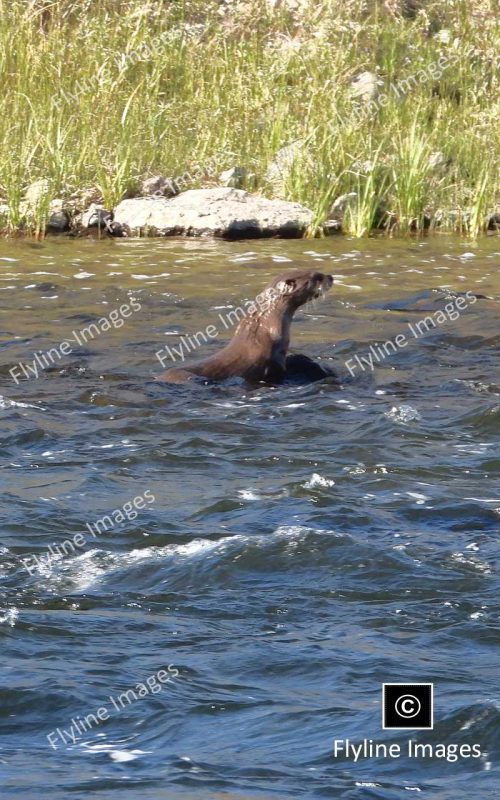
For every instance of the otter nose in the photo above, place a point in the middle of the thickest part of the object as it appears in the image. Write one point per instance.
(319, 277)
(325, 281)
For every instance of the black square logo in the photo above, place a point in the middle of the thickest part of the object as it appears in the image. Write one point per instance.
(407, 706)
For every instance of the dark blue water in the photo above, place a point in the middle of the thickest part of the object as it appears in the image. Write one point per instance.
(304, 546)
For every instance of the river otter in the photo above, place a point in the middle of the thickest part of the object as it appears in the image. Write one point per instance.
(258, 350)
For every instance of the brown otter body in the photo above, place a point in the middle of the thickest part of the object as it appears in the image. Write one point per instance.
(258, 350)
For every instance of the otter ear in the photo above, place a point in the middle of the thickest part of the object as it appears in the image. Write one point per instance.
(286, 286)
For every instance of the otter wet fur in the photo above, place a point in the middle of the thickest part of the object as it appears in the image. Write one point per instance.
(258, 351)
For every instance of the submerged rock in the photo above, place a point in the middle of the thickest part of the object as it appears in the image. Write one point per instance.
(223, 212)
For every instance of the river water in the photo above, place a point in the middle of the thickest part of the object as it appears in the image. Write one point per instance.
(305, 544)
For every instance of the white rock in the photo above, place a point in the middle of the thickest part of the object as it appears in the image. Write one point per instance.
(366, 86)
(223, 212)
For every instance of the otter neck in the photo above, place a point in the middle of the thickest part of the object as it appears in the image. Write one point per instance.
(269, 328)
(258, 349)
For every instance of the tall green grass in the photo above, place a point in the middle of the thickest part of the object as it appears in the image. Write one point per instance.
(102, 94)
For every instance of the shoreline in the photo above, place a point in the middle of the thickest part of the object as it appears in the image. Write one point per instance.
(43, 218)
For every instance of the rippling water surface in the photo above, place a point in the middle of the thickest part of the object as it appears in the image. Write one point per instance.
(305, 545)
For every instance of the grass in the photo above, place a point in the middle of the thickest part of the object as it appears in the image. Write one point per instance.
(98, 95)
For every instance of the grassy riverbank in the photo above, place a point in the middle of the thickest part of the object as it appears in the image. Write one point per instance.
(102, 94)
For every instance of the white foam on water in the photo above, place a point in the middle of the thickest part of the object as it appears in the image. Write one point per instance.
(6, 403)
(317, 480)
(113, 751)
(367, 785)
(420, 498)
(474, 562)
(248, 494)
(484, 499)
(87, 569)
(403, 414)
(359, 469)
(9, 617)
(125, 755)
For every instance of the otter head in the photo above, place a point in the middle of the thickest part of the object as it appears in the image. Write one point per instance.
(295, 289)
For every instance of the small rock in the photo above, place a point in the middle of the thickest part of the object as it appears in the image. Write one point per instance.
(331, 226)
(236, 177)
(159, 186)
(57, 205)
(96, 217)
(340, 206)
(366, 86)
(222, 212)
(36, 192)
(439, 160)
(58, 222)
